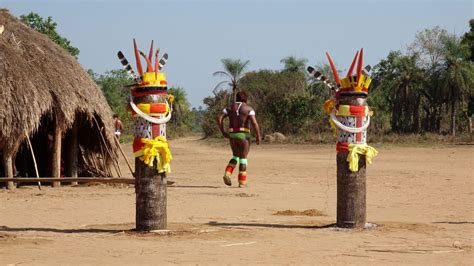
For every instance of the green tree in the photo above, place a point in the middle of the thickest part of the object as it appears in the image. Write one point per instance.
(458, 78)
(113, 84)
(295, 114)
(293, 64)
(214, 104)
(419, 89)
(429, 47)
(181, 104)
(468, 40)
(280, 100)
(266, 88)
(234, 70)
(399, 80)
(198, 119)
(182, 117)
(48, 27)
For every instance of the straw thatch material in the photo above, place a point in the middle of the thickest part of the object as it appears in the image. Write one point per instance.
(38, 79)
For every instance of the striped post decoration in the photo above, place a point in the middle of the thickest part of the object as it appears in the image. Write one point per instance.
(151, 108)
(350, 116)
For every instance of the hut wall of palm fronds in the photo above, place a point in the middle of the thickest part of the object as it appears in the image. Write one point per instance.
(44, 91)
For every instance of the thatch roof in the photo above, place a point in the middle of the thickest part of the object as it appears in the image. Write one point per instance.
(39, 78)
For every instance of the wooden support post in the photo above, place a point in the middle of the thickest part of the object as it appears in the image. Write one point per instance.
(8, 166)
(129, 181)
(72, 153)
(56, 155)
(150, 189)
(351, 211)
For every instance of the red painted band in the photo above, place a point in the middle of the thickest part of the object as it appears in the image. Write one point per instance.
(242, 177)
(342, 146)
(137, 94)
(137, 144)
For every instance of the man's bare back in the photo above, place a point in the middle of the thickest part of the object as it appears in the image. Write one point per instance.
(238, 113)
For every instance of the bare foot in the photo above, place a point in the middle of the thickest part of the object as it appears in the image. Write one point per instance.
(227, 180)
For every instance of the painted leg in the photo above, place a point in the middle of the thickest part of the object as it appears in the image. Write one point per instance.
(234, 145)
(229, 170)
(243, 162)
(243, 172)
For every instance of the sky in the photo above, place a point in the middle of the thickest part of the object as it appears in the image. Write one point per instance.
(198, 34)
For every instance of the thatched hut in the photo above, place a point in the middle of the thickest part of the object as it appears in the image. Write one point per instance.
(46, 96)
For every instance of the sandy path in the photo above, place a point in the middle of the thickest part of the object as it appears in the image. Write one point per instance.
(420, 197)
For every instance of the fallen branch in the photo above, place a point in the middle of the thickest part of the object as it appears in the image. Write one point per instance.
(33, 155)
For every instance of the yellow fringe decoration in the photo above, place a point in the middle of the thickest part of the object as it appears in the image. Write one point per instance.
(362, 149)
(329, 105)
(157, 148)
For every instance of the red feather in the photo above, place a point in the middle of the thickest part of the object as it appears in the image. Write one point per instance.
(349, 73)
(137, 58)
(150, 57)
(334, 71)
(148, 63)
(359, 64)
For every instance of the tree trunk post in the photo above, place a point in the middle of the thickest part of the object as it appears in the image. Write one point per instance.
(470, 125)
(351, 206)
(453, 119)
(151, 108)
(350, 114)
(151, 200)
(8, 166)
(150, 184)
(56, 167)
(351, 184)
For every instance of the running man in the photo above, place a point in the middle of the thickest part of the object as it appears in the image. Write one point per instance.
(240, 116)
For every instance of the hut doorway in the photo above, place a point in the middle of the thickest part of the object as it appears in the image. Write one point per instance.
(42, 142)
(82, 150)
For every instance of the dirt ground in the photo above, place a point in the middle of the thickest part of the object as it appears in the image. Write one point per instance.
(420, 198)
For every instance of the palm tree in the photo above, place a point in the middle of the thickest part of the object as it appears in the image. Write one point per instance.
(468, 39)
(181, 105)
(458, 76)
(402, 80)
(293, 64)
(234, 70)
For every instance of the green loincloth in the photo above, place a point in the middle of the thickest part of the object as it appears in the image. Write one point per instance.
(240, 135)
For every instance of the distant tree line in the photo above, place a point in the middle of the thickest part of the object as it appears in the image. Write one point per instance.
(427, 88)
(430, 87)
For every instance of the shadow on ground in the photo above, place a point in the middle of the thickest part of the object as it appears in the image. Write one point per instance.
(267, 225)
(453, 222)
(63, 231)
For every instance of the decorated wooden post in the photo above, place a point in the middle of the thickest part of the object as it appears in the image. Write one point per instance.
(350, 116)
(151, 107)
